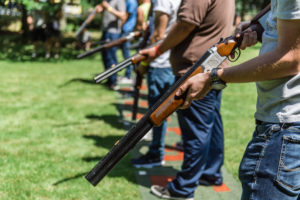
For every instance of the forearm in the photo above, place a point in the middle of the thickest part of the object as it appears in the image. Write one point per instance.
(282, 62)
(272, 65)
(119, 14)
(160, 23)
(177, 34)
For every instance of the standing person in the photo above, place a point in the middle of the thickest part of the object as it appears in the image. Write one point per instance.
(53, 32)
(142, 15)
(36, 22)
(114, 15)
(131, 12)
(270, 168)
(200, 24)
(159, 77)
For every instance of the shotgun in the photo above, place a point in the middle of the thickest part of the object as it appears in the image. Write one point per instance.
(139, 78)
(136, 94)
(131, 36)
(85, 23)
(165, 106)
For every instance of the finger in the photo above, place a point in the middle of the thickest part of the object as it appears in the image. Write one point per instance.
(245, 41)
(238, 30)
(253, 38)
(143, 51)
(182, 89)
(188, 100)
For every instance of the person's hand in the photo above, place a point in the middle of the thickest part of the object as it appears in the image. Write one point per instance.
(105, 5)
(151, 53)
(250, 36)
(195, 88)
(99, 8)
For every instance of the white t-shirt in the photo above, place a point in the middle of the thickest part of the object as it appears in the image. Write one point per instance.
(169, 7)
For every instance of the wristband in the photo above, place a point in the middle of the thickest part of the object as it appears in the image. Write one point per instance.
(157, 51)
(143, 63)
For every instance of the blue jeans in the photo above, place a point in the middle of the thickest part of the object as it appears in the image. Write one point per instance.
(126, 54)
(270, 168)
(203, 143)
(159, 81)
(109, 56)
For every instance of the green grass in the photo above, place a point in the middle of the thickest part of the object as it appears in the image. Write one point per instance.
(56, 124)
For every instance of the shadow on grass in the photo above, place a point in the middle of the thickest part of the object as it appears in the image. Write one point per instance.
(125, 107)
(126, 93)
(80, 175)
(113, 120)
(79, 80)
(104, 142)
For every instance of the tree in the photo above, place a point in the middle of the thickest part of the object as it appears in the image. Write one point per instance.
(245, 7)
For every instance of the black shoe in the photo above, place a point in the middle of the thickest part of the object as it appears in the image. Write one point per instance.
(147, 161)
(209, 181)
(163, 192)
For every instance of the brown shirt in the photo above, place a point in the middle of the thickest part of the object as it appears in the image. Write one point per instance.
(213, 20)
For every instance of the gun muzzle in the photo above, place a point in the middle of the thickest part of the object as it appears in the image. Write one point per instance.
(113, 70)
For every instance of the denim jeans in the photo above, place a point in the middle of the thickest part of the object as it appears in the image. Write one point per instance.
(202, 135)
(270, 168)
(126, 54)
(109, 56)
(159, 81)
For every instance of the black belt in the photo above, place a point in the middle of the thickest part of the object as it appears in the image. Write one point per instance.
(282, 125)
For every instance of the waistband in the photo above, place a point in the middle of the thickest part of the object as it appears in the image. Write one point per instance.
(282, 125)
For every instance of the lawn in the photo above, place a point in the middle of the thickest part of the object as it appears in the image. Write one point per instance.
(56, 124)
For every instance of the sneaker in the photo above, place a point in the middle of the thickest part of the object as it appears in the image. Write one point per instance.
(209, 181)
(114, 87)
(147, 161)
(163, 192)
(125, 80)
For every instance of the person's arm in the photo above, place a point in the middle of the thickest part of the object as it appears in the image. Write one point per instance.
(160, 22)
(282, 62)
(140, 19)
(120, 14)
(179, 31)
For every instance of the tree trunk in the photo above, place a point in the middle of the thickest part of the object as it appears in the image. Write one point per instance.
(25, 29)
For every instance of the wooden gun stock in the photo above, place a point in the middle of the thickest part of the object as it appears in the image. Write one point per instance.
(172, 102)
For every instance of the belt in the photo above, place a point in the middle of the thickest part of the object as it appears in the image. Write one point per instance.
(282, 125)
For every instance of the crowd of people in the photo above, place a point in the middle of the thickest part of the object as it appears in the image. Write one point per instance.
(45, 31)
(187, 29)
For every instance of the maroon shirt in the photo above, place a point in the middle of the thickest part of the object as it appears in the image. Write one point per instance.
(213, 20)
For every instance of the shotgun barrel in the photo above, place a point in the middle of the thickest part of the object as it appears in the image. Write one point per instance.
(122, 65)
